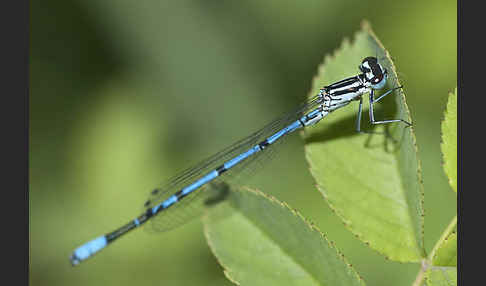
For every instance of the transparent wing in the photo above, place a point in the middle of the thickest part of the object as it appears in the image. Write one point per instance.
(193, 204)
(190, 207)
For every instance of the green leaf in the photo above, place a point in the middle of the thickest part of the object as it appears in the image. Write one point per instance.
(449, 140)
(261, 241)
(441, 276)
(372, 181)
(445, 251)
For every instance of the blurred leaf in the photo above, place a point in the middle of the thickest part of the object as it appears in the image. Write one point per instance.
(372, 181)
(449, 140)
(261, 241)
(445, 251)
(441, 276)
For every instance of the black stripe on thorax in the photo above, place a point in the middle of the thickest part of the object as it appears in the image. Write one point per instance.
(345, 91)
(343, 83)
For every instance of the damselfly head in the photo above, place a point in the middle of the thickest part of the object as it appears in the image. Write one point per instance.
(375, 74)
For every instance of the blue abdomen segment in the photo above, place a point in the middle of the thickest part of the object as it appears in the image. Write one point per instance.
(185, 191)
(88, 249)
(284, 131)
(171, 200)
(200, 182)
(241, 157)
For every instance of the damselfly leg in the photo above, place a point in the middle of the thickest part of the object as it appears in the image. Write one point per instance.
(371, 112)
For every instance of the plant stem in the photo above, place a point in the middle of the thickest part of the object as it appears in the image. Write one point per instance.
(421, 275)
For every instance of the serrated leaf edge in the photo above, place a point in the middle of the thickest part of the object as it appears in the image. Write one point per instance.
(309, 224)
(450, 230)
(450, 93)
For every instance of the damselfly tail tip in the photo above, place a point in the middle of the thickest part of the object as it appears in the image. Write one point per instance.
(88, 249)
(74, 260)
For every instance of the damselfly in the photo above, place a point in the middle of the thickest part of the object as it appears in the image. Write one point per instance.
(181, 191)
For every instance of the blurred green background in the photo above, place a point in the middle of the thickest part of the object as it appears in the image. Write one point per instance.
(124, 94)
